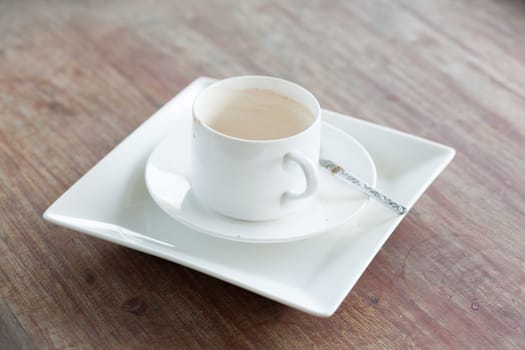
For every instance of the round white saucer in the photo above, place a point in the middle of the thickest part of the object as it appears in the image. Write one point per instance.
(168, 174)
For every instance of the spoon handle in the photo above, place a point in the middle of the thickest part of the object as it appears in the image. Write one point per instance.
(340, 173)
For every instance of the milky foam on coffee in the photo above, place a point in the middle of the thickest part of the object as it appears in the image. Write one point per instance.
(256, 114)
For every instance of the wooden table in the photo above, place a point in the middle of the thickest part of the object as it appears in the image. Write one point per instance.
(77, 77)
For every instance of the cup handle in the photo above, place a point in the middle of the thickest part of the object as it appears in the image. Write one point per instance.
(310, 174)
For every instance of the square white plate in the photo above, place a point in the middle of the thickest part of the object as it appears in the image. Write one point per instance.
(314, 275)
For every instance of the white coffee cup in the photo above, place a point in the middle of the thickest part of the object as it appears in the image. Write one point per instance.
(252, 179)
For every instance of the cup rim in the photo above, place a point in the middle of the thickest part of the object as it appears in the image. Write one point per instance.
(317, 115)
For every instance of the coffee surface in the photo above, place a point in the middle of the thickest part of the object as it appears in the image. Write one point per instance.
(257, 114)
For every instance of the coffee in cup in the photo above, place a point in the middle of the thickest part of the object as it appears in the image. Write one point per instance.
(257, 114)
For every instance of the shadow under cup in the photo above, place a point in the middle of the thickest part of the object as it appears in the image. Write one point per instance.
(255, 147)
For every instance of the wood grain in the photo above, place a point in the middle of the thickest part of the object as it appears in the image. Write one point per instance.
(77, 77)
